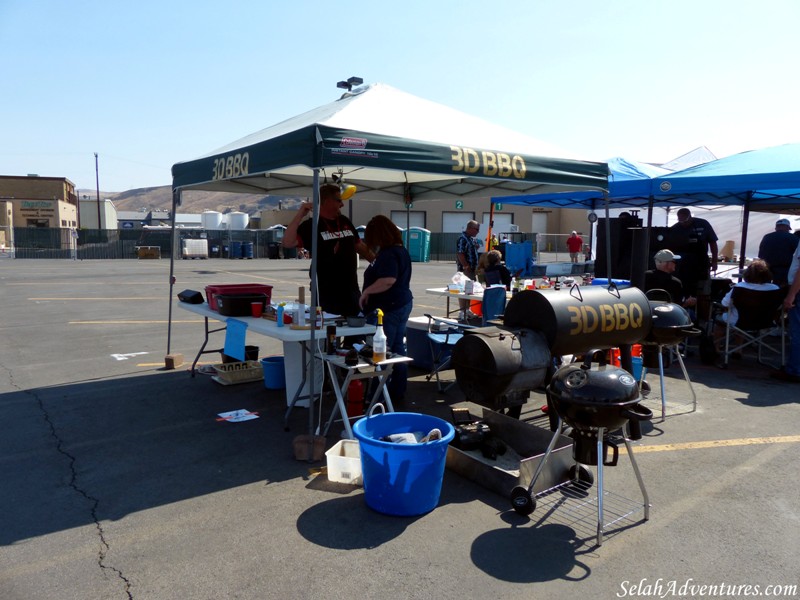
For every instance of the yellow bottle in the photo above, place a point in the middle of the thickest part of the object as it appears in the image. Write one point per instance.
(379, 341)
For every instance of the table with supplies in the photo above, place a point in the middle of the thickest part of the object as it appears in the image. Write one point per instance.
(297, 351)
(363, 370)
(458, 295)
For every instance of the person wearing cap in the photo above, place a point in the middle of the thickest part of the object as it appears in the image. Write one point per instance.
(696, 238)
(662, 278)
(337, 245)
(574, 245)
(777, 248)
(467, 262)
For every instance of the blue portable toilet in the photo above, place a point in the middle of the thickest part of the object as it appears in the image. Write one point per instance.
(418, 242)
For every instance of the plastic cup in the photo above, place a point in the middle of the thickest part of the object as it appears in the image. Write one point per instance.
(257, 309)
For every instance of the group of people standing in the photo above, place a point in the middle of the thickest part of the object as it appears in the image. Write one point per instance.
(387, 279)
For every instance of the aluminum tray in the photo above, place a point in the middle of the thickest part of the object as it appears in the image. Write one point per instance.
(528, 441)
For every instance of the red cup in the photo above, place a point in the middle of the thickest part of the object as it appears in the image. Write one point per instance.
(257, 308)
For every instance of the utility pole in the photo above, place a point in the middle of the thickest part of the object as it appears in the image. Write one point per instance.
(97, 181)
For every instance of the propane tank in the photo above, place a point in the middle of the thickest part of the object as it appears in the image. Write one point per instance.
(355, 398)
(379, 341)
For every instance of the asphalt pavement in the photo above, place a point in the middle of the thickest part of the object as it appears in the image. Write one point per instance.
(119, 479)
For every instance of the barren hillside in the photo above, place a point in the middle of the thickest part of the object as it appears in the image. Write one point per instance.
(192, 202)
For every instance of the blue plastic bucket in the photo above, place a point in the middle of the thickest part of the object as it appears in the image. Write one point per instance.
(402, 479)
(274, 374)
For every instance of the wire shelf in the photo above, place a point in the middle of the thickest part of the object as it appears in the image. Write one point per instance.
(574, 504)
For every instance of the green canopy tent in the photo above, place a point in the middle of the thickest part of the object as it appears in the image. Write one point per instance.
(390, 144)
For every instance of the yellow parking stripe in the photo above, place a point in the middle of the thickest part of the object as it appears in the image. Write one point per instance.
(126, 322)
(784, 439)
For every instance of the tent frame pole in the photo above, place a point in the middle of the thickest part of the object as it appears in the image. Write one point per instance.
(312, 312)
(176, 201)
(745, 225)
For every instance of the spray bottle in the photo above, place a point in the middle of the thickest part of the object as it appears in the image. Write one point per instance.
(379, 341)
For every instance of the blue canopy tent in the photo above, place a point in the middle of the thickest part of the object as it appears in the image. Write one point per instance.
(766, 180)
(629, 186)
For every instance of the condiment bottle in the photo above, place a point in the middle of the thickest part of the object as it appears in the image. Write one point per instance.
(379, 341)
(280, 314)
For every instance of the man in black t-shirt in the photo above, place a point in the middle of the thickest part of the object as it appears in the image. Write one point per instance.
(777, 249)
(337, 245)
(695, 238)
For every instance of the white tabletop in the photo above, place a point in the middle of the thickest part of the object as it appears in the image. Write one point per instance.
(271, 329)
(444, 292)
(448, 294)
(339, 361)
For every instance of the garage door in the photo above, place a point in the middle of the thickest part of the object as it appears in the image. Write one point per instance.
(416, 218)
(502, 222)
(455, 222)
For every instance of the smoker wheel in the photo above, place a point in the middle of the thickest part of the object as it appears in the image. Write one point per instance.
(521, 501)
(581, 474)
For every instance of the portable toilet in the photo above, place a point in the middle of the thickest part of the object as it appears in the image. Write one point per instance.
(418, 242)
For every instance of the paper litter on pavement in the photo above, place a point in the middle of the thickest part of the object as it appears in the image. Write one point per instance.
(235, 416)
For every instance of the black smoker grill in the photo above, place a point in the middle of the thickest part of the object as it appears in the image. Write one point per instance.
(497, 367)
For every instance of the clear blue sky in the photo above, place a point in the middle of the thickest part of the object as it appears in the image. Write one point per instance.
(146, 84)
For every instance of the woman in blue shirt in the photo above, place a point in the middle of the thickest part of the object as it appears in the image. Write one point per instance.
(387, 285)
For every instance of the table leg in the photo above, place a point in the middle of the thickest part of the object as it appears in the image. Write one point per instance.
(298, 393)
(383, 379)
(203, 346)
(340, 407)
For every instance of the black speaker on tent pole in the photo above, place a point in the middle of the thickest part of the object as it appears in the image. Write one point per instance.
(621, 247)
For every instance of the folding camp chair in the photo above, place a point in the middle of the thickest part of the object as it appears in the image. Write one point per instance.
(759, 313)
(444, 334)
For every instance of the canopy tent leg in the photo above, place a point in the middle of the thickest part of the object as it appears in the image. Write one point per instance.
(176, 201)
(745, 225)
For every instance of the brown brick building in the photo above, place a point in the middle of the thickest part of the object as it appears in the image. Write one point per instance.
(40, 201)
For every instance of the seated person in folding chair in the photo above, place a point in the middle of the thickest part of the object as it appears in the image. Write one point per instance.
(662, 278)
(758, 277)
(496, 272)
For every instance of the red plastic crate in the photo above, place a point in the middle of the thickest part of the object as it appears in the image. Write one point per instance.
(236, 288)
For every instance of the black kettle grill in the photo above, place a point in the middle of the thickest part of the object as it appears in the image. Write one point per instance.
(594, 401)
(671, 325)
